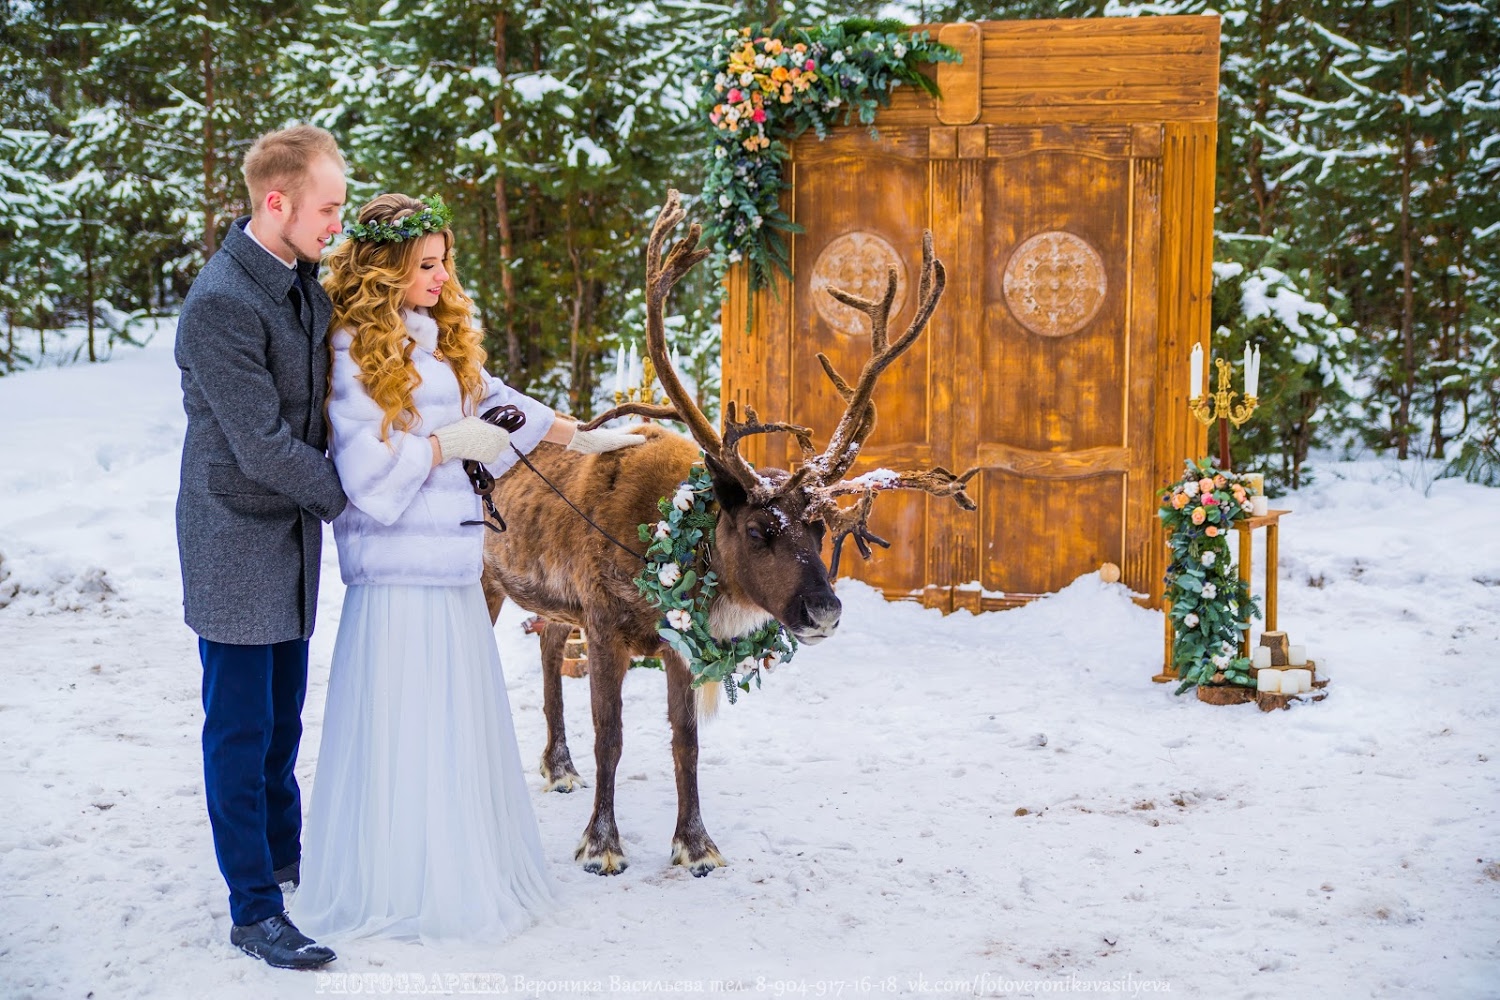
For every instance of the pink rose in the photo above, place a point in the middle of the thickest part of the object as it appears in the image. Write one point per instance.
(809, 65)
(759, 115)
(735, 96)
(1209, 501)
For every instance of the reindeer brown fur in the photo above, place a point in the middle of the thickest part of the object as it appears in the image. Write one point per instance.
(766, 551)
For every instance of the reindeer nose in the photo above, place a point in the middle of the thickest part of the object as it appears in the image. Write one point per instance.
(822, 616)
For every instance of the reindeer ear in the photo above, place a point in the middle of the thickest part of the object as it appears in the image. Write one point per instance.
(727, 489)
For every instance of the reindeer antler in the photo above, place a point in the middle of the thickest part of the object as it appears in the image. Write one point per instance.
(858, 420)
(859, 409)
(661, 275)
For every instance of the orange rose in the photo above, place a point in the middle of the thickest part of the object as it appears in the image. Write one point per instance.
(1179, 501)
(1219, 481)
(1211, 531)
(1199, 514)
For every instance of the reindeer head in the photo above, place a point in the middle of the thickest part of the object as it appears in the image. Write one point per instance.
(772, 523)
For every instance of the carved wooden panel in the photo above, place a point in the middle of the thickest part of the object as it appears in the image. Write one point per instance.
(1068, 186)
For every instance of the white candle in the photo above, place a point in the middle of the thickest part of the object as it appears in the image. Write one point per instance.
(1249, 389)
(1260, 656)
(1296, 655)
(620, 371)
(1259, 506)
(1252, 388)
(1268, 681)
(1195, 380)
(676, 362)
(1297, 681)
(633, 371)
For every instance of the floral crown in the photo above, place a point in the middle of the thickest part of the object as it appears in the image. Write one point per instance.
(434, 217)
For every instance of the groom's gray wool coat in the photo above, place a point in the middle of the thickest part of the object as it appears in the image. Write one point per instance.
(256, 483)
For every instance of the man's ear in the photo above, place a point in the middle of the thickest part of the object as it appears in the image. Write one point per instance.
(727, 490)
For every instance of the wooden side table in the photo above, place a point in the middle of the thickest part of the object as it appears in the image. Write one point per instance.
(1271, 521)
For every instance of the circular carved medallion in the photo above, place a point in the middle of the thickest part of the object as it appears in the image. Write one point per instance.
(857, 263)
(1054, 283)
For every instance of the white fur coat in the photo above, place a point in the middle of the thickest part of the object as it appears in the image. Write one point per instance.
(402, 524)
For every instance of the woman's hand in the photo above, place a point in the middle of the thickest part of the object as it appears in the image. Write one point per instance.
(470, 438)
(596, 441)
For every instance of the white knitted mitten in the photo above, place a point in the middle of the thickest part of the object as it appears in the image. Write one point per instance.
(603, 439)
(472, 438)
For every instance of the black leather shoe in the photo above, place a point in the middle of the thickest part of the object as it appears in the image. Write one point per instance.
(291, 873)
(277, 941)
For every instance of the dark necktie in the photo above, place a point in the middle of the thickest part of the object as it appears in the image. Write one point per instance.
(304, 300)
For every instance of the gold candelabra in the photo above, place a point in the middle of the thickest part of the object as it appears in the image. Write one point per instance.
(1221, 404)
(646, 391)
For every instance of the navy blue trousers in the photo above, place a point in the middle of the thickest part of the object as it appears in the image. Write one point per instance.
(252, 704)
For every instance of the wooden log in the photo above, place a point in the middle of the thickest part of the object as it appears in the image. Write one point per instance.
(1279, 646)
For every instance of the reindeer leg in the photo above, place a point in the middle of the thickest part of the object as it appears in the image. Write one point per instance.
(600, 849)
(557, 764)
(691, 844)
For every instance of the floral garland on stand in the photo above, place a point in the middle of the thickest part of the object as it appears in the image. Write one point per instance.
(763, 88)
(1211, 605)
(677, 549)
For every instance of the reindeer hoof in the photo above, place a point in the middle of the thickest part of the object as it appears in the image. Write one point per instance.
(700, 859)
(560, 776)
(598, 860)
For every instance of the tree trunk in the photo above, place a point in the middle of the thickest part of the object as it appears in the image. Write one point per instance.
(88, 284)
(514, 371)
(210, 224)
(1408, 336)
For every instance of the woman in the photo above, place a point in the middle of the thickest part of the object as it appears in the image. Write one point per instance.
(420, 824)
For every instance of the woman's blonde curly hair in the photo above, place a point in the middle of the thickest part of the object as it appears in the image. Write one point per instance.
(367, 282)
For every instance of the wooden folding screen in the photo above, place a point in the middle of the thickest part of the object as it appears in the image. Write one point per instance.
(1067, 176)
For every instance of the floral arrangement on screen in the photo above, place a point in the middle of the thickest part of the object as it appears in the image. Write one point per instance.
(764, 87)
(1210, 605)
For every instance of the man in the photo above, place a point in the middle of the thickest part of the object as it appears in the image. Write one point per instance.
(256, 485)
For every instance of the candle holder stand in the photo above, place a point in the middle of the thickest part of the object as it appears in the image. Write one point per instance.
(1221, 407)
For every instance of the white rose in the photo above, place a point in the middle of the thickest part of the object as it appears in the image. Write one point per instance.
(669, 574)
(747, 78)
(680, 619)
(838, 56)
(735, 256)
(1190, 620)
(1210, 591)
(725, 201)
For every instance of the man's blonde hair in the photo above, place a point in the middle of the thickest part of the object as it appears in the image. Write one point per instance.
(280, 161)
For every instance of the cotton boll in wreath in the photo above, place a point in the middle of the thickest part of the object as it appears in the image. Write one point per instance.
(1190, 620)
(669, 574)
(1210, 591)
(683, 500)
(680, 619)
(1208, 558)
(663, 529)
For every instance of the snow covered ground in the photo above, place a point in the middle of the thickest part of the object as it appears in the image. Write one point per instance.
(1000, 805)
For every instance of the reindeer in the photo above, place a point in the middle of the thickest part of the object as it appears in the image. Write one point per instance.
(766, 548)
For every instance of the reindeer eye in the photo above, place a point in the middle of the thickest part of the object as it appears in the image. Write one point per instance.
(756, 533)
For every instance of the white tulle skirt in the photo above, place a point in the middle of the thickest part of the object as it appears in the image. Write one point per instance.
(420, 823)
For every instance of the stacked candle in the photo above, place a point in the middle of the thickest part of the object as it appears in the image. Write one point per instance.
(1292, 681)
